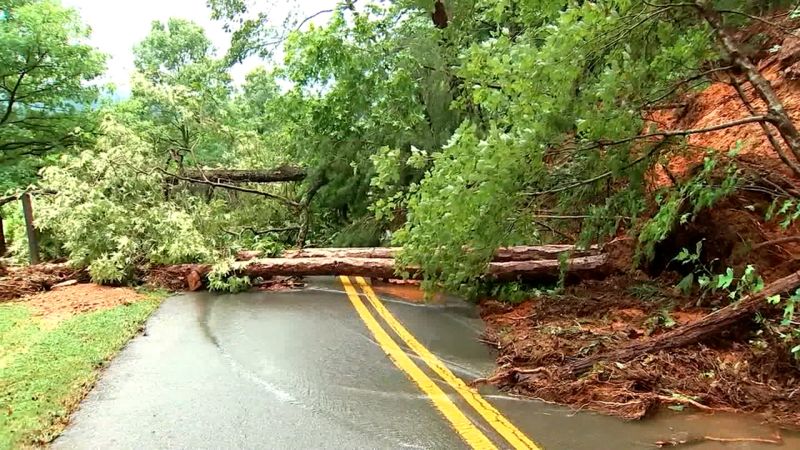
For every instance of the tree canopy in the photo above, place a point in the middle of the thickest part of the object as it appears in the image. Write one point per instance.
(45, 91)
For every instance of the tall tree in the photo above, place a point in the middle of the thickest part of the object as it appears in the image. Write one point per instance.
(180, 92)
(45, 73)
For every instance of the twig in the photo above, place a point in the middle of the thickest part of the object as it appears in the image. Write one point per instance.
(652, 151)
(687, 81)
(779, 241)
(690, 441)
(685, 399)
(574, 217)
(777, 441)
(759, 19)
(272, 230)
(555, 231)
(665, 134)
(18, 195)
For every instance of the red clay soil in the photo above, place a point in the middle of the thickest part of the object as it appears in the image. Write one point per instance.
(21, 281)
(80, 298)
(720, 103)
(407, 290)
(738, 371)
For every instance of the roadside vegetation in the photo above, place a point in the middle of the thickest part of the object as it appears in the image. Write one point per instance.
(49, 359)
(663, 132)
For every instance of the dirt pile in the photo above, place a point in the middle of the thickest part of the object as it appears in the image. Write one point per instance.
(741, 370)
(80, 298)
(21, 281)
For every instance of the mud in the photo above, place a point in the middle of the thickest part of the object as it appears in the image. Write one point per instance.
(741, 371)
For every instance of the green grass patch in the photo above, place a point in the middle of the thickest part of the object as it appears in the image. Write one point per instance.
(46, 372)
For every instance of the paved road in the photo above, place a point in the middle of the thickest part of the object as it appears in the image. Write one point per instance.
(332, 366)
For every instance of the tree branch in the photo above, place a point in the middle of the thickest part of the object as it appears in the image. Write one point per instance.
(12, 98)
(233, 188)
(759, 19)
(783, 240)
(649, 154)
(673, 133)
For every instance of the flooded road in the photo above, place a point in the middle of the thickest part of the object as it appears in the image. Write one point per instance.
(307, 369)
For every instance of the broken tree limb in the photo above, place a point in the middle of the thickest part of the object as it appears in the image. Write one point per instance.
(279, 174)
(708, 326)
(232, 187)
(517, 253)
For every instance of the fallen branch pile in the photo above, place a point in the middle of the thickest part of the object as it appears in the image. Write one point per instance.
(710, 325)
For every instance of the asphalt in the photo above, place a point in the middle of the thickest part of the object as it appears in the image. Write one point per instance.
(300, 370)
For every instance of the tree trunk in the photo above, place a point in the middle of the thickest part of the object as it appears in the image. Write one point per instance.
(2, 239)
(385, 268)
(518, 253)
(585, 266)
(30, 229)
(276, 175)
(688, 334)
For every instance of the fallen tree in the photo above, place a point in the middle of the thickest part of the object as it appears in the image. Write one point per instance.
(279, 174)
(583, 267)
(518, 253)
(709, 326)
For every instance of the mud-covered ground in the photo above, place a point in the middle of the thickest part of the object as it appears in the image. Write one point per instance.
(743, 369)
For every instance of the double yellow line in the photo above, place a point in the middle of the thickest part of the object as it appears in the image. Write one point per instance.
(465, 428)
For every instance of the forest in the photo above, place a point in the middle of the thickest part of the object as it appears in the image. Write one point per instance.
(662, 134)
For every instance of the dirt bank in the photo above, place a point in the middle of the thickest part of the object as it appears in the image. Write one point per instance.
(744, 370)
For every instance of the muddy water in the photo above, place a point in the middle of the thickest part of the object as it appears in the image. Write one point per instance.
(299, 370)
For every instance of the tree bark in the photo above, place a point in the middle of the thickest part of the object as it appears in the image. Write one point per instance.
(2, 239)
(518, 253)
(30, 229)
(708, 326)
(276, 175)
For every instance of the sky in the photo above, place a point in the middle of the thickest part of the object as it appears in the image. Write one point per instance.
(118, 25)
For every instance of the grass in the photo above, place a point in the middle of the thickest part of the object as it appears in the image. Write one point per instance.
(46, 371)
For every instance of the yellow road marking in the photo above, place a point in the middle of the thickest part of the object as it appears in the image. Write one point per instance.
(463, 426)
(504, 427)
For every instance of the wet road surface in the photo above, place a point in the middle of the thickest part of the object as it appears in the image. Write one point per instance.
(306, 369)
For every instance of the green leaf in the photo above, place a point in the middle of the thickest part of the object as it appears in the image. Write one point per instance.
(685, 285)
(724, 281)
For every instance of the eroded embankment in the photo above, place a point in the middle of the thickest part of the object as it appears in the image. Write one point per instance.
(744, 369)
